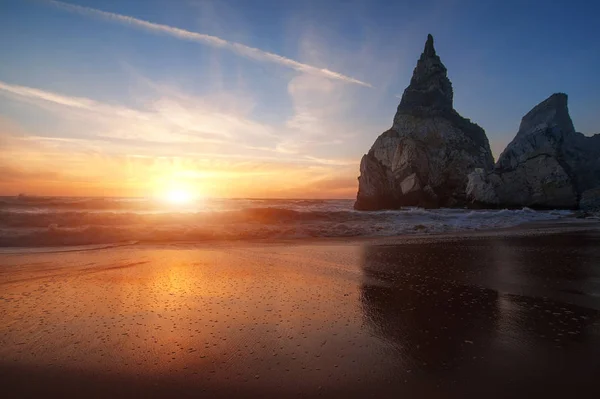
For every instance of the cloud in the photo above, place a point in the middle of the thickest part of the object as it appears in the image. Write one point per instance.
(328, 117)
(211, 142)
(37, 166)
(171, 124)
(168, 119)
(238, 48)
(334, 162)
(82, 103)
(11, 174)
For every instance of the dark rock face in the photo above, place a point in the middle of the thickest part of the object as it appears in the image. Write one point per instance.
(583, 156)
(424, 159)
(429, 89)
(590, 200)
(547, 165)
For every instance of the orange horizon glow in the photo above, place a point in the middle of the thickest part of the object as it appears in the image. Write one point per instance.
(100, 189)
(225, 185)
(96, 149)
(43, 168)
(278, 181)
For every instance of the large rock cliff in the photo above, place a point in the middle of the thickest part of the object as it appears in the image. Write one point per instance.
(547, 165)
(426, 156)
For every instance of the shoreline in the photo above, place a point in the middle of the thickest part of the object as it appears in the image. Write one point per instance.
(528, 228)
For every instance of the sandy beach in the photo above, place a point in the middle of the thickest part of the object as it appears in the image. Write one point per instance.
(497, 315)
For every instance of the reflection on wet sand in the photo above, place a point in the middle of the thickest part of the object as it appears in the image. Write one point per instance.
(429, 317)
(498, 313)
(500, 317)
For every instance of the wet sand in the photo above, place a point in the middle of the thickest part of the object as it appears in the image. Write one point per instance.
(496, 315)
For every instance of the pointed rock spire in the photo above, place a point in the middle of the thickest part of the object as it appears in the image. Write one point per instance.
(430, 90)
(429, 49)
(425, 158)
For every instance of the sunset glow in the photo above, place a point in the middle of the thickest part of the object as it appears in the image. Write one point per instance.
(178, 197)
(287, 112)
(315, 199)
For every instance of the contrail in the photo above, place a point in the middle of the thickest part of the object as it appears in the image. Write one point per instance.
(82, 103)
(37, 94)
(241, 49)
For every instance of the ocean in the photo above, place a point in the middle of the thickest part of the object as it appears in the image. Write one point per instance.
(63, 221)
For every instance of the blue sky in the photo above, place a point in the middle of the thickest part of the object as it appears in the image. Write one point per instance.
(262, 98)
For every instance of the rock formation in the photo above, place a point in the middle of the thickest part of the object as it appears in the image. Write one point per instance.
(590, 200)
(426, 156)
(547, 165)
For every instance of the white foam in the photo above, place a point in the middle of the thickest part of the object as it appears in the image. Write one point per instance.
(118, 221)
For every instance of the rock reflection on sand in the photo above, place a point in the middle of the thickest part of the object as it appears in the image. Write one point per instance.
(468, 314)
(338, 319)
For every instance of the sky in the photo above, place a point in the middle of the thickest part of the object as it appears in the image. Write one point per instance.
(273, 98)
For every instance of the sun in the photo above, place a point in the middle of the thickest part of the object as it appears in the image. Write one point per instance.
(178, 196)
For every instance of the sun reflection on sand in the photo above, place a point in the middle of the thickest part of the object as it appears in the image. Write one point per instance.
(284, 318)
(193, 311)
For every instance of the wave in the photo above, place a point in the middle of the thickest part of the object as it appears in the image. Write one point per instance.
(34, 204)
(313, 219)
(259, 215)
(60, 249)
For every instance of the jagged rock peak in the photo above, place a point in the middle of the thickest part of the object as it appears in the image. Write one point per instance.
(542, 131)
(552, 113)
(546, 165)
(429, 50)
(425, 157)
(430, 90)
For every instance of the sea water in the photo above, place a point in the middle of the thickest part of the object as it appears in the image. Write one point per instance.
(61, 221)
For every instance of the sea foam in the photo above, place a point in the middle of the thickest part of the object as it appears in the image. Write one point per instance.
(51, 221)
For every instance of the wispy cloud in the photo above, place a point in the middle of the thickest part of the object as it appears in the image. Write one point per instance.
(44, 166)
(172, 123)
(238, 48)
(167, 119)
(82, 103)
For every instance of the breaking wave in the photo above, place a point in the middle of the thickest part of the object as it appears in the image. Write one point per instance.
(52, 221)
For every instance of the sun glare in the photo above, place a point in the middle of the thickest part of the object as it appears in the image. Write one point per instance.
(178, 197)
